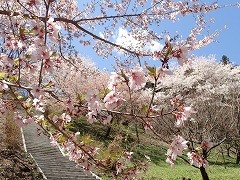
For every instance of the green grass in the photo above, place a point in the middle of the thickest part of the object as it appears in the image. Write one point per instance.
(221, 168)
(216, 172)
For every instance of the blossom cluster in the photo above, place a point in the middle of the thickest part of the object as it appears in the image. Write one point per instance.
(37, 41)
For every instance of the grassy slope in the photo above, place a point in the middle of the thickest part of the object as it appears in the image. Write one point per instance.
(159, 169)
(217, 169)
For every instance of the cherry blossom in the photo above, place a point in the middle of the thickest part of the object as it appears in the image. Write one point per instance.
(92, 117)
(28, 120)
(3, 86)
(183, 115)
(92, 96)
(39, 103)
(37, 91)
(128, 155)
(112, 100)
(107, 119)
(66, 118)
(197, 160)
(39, 55)
(175, 101)
(207, 144)
(176, 149)
(137, 78)
(119, 167)
(115, 79)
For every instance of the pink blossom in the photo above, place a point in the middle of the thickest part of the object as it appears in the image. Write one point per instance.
(176, 100)
(28, 120)
(3, 86)
(43, 52)
(147, 125)
(53, 140)
(128, 155)
(182, 55)
(39, 104)
(55, 118)
(37, 91)
(178, 145)
(170, 159)
(183, 115)
(69, 105)
(154, 109)
(112, 100)
(76, 135)
(53, 29)
(196, 159)
(119, 167)
(91, 117)
(207, 144)
(163, 72)
(48, 66)
(176, 148)
(92, 96)
(66, 118)
(94, 106)
(157, 55)
(137, 78)
(107, 119)
(115, 79)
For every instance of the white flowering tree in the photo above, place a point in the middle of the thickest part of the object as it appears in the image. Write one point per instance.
(37, 38)
(213, 86)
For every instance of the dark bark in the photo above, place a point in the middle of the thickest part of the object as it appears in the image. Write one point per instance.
(228, 151)
(202, 169)
(204, 173)
(108, 131)
(238, 157)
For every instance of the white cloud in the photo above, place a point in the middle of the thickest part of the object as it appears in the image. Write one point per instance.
(126, 40)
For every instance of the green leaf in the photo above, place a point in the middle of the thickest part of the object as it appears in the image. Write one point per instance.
(2, 75)
(152, 70)
(100, 94)
(16, 61)
(61, 139)
(54, 54)
(168, 50)
(28, 56)
(48, 85)
(145, 108)
(69, 126)
(86, 139)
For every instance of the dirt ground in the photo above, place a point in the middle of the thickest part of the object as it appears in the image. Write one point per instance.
(15, 163)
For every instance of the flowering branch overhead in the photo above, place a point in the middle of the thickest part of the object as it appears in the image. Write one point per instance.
(45, 80)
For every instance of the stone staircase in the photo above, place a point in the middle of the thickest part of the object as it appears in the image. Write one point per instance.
(49, 159)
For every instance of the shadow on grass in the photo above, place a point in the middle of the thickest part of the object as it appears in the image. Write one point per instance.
(227, 164)
(157, 154)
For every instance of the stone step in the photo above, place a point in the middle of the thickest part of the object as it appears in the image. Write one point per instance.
(51, 161)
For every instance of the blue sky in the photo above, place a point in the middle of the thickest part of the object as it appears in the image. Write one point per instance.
(228, 39)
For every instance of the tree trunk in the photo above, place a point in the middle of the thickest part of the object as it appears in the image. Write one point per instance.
(204, 173)
(238, 157)
(108, 131)
(228, 151)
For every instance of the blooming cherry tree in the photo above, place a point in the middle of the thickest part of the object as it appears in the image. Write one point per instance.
(37, 40)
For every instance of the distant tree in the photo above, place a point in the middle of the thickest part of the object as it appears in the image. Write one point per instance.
(212, 89)
(37, 40)
(225, 60)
